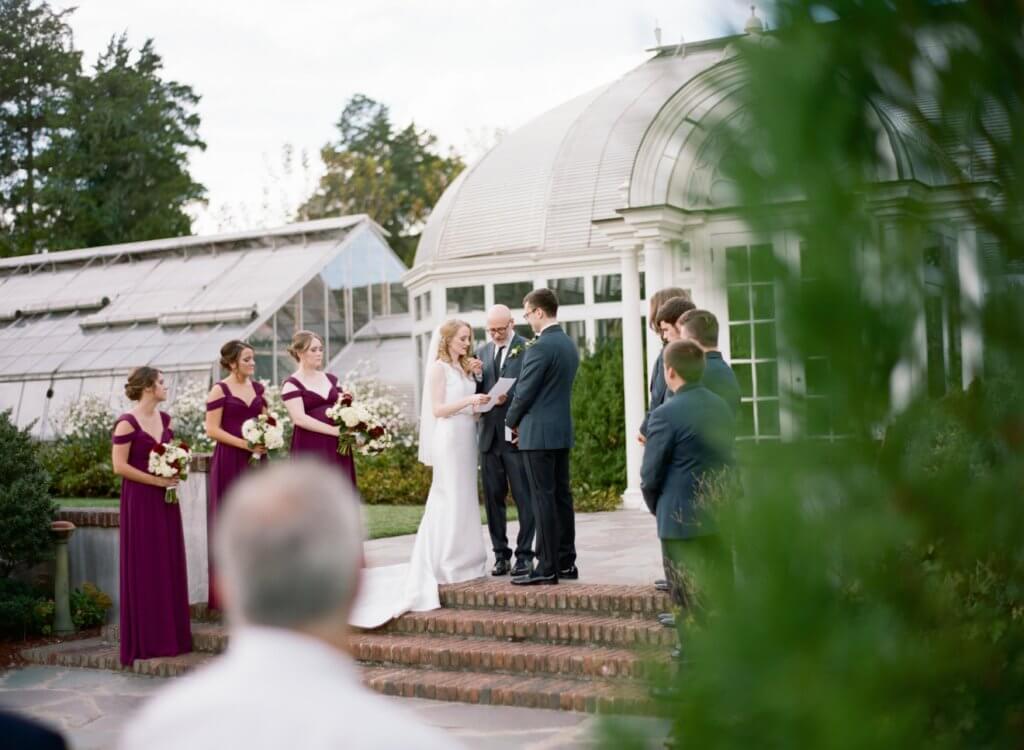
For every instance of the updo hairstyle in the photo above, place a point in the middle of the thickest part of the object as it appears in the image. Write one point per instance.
(231, 352)
(301, 342)
(139, 380)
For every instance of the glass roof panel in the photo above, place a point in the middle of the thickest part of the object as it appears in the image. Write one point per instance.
(10, 395)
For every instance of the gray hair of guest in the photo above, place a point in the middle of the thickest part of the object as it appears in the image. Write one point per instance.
(289, 545)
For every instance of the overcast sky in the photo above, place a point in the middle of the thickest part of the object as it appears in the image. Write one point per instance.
(275, 73)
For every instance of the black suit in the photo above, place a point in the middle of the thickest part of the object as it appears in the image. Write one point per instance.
(542, 413)
(501, 464)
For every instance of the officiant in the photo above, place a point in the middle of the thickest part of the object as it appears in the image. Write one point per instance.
(501, 464)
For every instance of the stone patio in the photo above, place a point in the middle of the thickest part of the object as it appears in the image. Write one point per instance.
(553, 658)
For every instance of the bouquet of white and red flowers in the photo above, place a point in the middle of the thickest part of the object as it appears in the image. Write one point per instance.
(266, 431)
(359, 429)
(170, 460)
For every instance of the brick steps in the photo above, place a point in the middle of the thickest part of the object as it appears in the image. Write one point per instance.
(465, 687)
(474, 655)
(574, 646)
(540, 627)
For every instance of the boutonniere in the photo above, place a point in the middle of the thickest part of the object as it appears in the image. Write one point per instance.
(532, 341)
(515, 351)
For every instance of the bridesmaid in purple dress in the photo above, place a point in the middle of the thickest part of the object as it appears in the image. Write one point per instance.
(154, 582)
(229, 404)
(307, 395)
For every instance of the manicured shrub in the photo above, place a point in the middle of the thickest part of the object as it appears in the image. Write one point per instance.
(89, 606)
(26, 510)
(599, 456)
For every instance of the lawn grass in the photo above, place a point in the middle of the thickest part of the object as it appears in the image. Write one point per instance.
(381, 520)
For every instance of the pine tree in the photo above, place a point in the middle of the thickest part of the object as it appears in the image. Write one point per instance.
(38, 67)
(118, 170)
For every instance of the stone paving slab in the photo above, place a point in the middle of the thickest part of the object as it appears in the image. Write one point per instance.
(618, 546)
(91, 708)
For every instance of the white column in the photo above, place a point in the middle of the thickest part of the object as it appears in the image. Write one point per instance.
(632, 375)
(656, 257)
(972, 297)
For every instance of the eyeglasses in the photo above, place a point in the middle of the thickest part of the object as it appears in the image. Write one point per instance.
(528, 313)
(496, 331)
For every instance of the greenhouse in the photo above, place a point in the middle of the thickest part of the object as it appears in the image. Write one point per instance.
(76, 322)
(621, 191)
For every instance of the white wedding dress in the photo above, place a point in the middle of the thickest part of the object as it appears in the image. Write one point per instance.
(449, 544)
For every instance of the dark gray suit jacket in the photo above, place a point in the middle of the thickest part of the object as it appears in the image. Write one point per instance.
(720, 378)
(659, 389)
(688, 437)
(492, 423)
(542, 407)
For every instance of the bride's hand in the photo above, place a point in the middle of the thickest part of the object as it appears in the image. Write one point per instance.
(478, 399)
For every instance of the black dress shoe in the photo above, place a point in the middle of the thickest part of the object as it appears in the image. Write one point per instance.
(676, 654)
(522, 568)
(501, 568)
(571, 573)
(535, 579)
(667, 619)
(661, 584)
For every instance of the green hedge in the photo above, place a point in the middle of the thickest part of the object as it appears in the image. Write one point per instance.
(26, 510)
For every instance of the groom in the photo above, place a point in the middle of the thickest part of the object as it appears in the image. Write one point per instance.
(501, 464)
(541, 420)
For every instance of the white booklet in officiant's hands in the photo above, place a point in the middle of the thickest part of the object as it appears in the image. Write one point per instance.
(500, 389)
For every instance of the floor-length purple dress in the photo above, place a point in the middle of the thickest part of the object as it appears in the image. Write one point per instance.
(154, 580)
(307, 442)
(228, 463)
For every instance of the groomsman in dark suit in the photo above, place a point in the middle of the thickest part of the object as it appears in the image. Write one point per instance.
(689, 437)
(501, 463)
(701, 327)
(665, 320)
(541, 418)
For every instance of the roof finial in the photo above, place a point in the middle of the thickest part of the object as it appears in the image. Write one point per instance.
(753, 25)
(657, 33)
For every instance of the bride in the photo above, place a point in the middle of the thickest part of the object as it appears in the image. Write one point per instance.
(449, 544)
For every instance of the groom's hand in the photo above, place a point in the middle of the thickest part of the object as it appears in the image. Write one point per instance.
(501, 399)
(515, 436)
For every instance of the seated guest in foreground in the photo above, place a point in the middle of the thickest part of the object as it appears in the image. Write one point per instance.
(154, 580)
(289, 548)
(689, 438)
(701, 328)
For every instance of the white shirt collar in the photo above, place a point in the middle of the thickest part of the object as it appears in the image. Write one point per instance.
(255, 644)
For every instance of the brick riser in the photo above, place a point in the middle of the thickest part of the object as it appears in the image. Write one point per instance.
(630, 602)
(462, 655)
(538, 627)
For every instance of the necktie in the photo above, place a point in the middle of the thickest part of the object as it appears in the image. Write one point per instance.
(497, 361)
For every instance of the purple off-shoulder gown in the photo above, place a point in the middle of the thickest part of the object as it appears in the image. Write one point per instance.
(154, 581)
(228, 462)
(308, 443)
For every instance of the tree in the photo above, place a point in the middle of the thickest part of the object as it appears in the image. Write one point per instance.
(395, 177)
(38, 67)
(118, 169)
(25, 506)
(878, 592)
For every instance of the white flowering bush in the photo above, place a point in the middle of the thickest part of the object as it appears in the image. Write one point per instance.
(87, 417)
(188, 410)
(78, 461)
